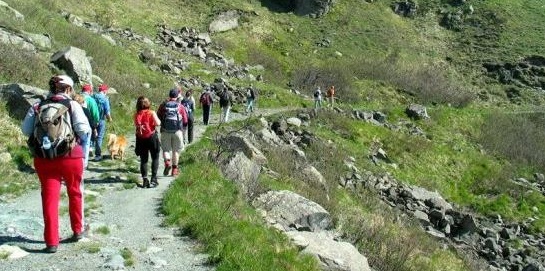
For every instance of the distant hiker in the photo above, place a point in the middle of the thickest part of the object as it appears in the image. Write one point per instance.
(103, 104)
(225, 104)
(206, 102)
(250, 99)
(330, 96)
(317, 98)
(91, 104)
(87, 142)
(147, 140)
(173, 116)
(189, 103)
(58, 159)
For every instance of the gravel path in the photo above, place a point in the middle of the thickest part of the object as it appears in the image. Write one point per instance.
(123, 221)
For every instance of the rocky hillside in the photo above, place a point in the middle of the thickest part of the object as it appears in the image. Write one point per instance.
(435, 129)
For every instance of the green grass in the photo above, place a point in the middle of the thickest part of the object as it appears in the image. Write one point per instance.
(209, 208)
(104, 230)
(127, 254)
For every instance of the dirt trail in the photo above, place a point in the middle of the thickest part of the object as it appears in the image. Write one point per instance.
(121, 221)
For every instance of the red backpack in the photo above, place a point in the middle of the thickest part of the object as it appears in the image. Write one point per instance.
(205, 99)
(144, 123)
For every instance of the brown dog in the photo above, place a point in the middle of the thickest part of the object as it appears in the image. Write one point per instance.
(117, 145)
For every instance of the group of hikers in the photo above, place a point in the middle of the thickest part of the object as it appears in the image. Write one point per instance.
(318, 97)
(63, 128)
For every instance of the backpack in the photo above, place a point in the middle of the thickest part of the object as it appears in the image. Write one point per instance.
(188, 104)
(316, 94)
(250, 94)
(53, 124)
(205, 99)
(101, 103)
(224, 98)
(172, 121)
(142, 121)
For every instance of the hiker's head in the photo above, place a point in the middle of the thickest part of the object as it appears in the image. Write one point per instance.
(174, 93)
(188, 92)
(60, 83)
(103, 88)
(142, 103)
(87, 88)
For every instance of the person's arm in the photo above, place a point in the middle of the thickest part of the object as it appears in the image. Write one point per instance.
(156, 118)
(183, 112)
(28, 122)
(107, 111)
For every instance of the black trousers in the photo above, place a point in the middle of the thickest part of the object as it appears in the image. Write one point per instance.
(206, 113)
(190, 121)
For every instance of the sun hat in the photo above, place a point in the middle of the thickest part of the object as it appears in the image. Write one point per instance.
(65, 80)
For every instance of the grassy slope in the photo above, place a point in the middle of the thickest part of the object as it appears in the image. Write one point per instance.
(452, 162)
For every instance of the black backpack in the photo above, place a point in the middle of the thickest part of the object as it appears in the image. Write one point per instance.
(172, 121)
(224, 98)
(53, 127)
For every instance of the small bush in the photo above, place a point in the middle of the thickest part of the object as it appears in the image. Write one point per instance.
(427, 83)
(22, 66)
(517, 137)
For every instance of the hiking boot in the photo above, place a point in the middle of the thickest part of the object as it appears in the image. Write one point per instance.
(50, 249)
(75, 237)
(154, 182)
(175, 171)
(145, 183)
(97, 158)
(167, 168)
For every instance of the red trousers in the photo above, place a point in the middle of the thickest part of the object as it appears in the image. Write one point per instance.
(51, 173)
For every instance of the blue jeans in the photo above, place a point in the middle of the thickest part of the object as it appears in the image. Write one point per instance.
(86, 144)
(249, 105)
(101, 131)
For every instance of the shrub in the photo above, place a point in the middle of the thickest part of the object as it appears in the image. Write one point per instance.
(22, 66)
(427, 83)
(516, 137)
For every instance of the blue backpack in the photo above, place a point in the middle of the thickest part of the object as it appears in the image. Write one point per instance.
(172, 121)
(101, 103)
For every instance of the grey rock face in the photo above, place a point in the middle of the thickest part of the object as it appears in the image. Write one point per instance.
(75, 62)
(20, 97)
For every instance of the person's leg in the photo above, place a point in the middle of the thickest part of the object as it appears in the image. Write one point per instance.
(177, 147)
(50, 181)
(73, 176)
(166, 140)
(155, 151)
(101, 131)
(227, 110)
(251, 105)
(190, 129)
(86, 144)
(206, 114)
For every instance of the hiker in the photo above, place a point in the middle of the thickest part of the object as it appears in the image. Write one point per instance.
(147, 140)
(92, 122)
(91, 104)
(173, 116)
(103, 104)
(189, 103)
(66, 168)
(317, 98)
(250, 99)
(225, 104)
(206, 102)
(330, 96)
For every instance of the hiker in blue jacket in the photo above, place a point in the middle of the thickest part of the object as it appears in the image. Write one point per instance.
(104, 106)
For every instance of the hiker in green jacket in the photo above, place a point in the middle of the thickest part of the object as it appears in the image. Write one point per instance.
(92, 106)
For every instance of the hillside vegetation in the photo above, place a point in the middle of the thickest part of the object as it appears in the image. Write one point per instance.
(483, 132)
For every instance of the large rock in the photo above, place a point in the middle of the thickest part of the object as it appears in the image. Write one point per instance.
(244, 172)
(20, 97)
(313, 8)
(332, 255)
(7, 37)
(17, 14)
(75, 62)
(39, 40)
(292, 211)
(224, 22)
(236, 143)
(421, 194)
(416, 111)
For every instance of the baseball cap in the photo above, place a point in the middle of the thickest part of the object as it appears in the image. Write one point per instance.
(65, 80)
(103, 87)
(87, 88)
(174, 93)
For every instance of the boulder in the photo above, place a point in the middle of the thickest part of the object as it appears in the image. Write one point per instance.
(244, 172)
(224, 22)
(292, 211)
(236, 143)
(39, 40)
(17, 14)
(313, 8)
(75, 62)
(331, 254)
(20, 97)
(7, 37)
(417, 112)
